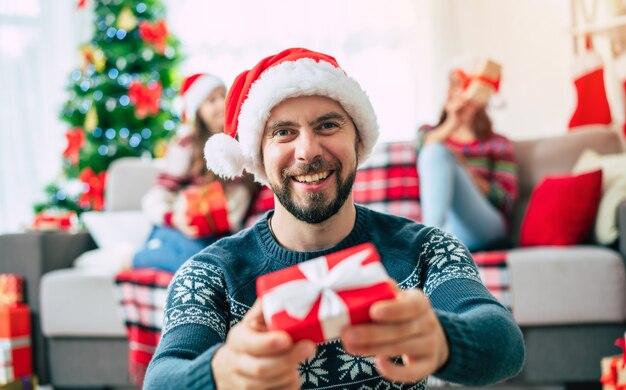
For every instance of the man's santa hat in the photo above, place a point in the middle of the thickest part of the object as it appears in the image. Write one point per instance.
(290, 73)
(194, 91)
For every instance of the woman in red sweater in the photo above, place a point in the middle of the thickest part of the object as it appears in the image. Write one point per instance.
(468, 177)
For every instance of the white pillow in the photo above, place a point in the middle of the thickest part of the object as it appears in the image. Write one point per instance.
(613, 165)
(114, 229)
(606, 231)
(108, 261)
(613, 190)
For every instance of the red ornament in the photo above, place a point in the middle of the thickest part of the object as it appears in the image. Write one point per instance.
(145, 97)
(155, 34)
(75, 141)
(94, 195)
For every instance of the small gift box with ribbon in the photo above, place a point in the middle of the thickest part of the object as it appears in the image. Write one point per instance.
(51, 220)
(614, 368)
(484, 81)
(15, 349)
(11, 289)
(316, 299)
(206, 208)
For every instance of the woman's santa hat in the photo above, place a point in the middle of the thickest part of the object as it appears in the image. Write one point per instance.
(194, 91)
(290, 73)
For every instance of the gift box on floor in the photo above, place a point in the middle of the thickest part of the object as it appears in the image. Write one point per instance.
(316, 299)
(11, 289)
(483, 82)
(15, 349)
(614, 369)
(206, 208)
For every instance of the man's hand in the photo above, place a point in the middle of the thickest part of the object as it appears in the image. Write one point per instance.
(255, 358)
(406, 326)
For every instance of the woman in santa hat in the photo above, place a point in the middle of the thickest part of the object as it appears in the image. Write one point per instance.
(468, 180)
(184, 204)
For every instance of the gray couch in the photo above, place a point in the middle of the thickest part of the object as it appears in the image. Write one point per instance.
(570, 302)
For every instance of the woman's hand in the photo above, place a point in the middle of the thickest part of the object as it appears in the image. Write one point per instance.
(181, 222)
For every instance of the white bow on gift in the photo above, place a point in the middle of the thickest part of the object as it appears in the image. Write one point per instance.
(297, 297)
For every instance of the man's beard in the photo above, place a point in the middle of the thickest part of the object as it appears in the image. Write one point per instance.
(317, 209)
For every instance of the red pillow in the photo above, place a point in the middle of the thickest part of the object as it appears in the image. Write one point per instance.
(562, 210)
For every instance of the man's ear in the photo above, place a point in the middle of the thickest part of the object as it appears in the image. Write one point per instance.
(359, 145)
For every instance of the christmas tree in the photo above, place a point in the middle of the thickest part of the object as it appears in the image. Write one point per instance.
(120, 101)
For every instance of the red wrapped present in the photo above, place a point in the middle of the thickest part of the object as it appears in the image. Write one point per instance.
(11, 289)
(206, 208)
(50, 220)
(15, 349)
(614, 368)
(316, 299)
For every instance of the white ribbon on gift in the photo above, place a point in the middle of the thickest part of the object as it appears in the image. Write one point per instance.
(297, 297)
(6, 356)
(6, 366)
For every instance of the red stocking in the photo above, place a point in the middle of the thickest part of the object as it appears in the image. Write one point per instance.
(593, 106)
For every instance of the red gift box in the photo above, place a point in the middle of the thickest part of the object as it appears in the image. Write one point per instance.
(15, 349)
(11, 289)
(614, 368)
(207, 208)
(316, 299)
(48, 220)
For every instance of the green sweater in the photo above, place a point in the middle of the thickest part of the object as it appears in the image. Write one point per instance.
(215, 288)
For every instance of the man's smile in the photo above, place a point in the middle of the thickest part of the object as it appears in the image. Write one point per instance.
(313, 177)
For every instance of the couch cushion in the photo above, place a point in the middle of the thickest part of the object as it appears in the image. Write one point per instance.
(79, 302)
(562, 210)
(564, 285)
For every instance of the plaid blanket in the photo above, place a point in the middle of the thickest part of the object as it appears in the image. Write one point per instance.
(387, 182)
(141, 296)
(494, 274)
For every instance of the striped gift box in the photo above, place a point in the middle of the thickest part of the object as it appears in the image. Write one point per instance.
(15, 348)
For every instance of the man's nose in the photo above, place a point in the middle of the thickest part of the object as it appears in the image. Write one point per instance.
(308, 146)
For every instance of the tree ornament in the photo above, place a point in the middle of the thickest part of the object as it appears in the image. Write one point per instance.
(110, 104)
(160, 147)
(145, 97)
(91, 120)
(126, 20)
(75, 140)
(93, 196)
(154, 34)
(92, 55)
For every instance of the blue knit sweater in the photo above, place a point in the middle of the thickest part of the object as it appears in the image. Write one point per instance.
(215, 288)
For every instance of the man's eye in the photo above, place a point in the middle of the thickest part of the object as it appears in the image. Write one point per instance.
(329, 125)
(282, 133)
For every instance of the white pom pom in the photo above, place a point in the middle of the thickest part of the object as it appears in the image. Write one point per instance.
(223, 156)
